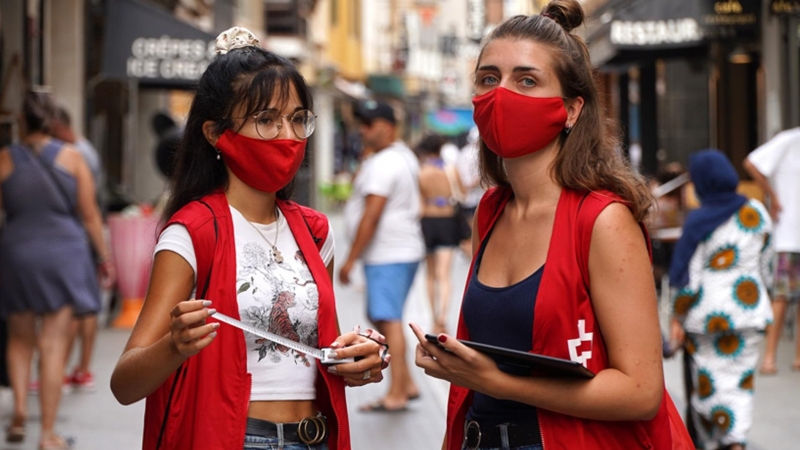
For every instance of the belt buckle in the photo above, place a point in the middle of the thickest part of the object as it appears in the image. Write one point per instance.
(320, 430)
(468, 428)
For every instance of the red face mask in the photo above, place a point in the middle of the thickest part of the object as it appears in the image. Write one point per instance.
(264, 165)
(513, 125)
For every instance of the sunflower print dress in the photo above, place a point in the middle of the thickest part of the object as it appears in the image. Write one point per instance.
(724, 310)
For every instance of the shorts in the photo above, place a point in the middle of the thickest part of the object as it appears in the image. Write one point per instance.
(787, 276)
(387, 288)
(440, 232)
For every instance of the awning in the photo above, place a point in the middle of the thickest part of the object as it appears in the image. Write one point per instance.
(354, 89)
(626, 26)
(149, 44)
(450, 121)
(386, 85)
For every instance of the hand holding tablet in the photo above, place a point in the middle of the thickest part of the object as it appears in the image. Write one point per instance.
(540, 365)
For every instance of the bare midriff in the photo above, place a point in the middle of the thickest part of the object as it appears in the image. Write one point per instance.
(429, 210)
(282, 411)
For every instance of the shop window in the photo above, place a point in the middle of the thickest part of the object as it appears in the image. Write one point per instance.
(283, 18)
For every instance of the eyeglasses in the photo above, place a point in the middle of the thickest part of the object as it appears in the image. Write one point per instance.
(269, 123)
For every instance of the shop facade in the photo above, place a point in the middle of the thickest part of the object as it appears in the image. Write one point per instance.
(682, 76)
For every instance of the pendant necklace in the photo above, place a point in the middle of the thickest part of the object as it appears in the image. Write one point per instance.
(275, 252)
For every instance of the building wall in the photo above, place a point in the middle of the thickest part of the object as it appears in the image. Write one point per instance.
(773, 66)
(344, 44)
(377, 40)
(64, 56)
(11, 26)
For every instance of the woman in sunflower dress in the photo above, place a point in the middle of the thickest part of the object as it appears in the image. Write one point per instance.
(720, 271)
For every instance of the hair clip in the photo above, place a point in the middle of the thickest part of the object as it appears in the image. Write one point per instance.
(233, 38)
(547, 15)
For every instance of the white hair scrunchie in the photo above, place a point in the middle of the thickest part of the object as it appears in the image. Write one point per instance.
(233, 38)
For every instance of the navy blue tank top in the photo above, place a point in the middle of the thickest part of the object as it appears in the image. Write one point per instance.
(502, 317)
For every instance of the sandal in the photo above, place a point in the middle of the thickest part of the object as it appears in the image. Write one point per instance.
(16, 431)
(56, 443)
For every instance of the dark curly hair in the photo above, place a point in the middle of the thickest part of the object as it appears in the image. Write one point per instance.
(245, 81)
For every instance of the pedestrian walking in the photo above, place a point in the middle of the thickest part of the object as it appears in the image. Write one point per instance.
(775, 166)
(52, 225)
(85, 327)
(561, 266)
(236, 244)
(469, 183)
(382, 216)
(442, 226)
(720, 273)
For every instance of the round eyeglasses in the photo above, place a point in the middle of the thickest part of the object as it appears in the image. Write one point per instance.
(269, 123)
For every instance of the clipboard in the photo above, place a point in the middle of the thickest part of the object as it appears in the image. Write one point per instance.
(539, 365)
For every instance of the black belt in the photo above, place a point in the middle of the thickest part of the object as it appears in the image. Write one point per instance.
(311, 430)
(476, 437)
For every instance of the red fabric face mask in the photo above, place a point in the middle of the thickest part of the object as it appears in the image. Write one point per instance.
(513, 125)
(264, 165)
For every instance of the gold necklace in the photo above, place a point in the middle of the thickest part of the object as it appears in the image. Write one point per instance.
(275, 252)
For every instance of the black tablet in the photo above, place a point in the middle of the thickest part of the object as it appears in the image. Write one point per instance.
(540, 365)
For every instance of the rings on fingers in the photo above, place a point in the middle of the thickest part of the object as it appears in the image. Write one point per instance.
(367, 375)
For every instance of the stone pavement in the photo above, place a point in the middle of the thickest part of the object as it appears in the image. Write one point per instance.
(98, 422)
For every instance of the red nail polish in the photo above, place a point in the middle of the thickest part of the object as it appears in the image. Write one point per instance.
(442, 338)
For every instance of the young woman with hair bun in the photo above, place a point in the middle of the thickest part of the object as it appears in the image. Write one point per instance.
(561, 265)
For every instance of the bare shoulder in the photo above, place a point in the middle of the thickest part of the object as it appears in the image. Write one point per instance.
(615, 218)
(617, 233)
(69, 158)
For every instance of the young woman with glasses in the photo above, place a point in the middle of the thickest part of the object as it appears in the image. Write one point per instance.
(234, 243)
(561, 266)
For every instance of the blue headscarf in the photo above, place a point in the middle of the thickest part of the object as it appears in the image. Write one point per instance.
(715, 181)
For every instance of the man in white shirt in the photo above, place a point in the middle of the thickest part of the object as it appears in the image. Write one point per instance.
(382, 218)
(775, 166)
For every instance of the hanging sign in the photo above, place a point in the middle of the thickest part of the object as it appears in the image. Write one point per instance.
(784, 7)
(150, 45)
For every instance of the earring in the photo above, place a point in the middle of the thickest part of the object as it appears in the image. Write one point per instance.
(568, 129)
(218, 154)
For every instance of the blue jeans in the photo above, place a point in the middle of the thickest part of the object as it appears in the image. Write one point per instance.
(273, 443)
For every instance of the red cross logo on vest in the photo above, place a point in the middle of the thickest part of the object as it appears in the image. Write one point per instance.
(574, 344)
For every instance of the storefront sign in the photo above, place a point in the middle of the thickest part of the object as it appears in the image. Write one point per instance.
(655, 32)
(148, 44)
(738, 15)
(781, 7)
(654, 24)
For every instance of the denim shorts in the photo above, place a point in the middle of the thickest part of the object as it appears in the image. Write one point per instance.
(387, 289)
(272, 443)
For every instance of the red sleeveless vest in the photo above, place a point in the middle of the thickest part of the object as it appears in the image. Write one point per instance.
(210, 399)
(563, 312)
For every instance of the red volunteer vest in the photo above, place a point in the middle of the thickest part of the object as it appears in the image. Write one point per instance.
(563, 313)
(210, 399)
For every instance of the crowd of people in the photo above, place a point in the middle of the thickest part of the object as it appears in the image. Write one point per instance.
(553, 219)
